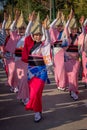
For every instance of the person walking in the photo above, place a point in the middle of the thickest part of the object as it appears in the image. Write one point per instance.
(37, 54)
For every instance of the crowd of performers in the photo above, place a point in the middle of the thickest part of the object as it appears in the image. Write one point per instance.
(29, 51)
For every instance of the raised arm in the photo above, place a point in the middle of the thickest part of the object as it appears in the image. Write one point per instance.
(83, 23)
(46, 31)
(13, 25)
(4, 23)
(66, 29)
(46, 50)
(52, 25)
(31, 18)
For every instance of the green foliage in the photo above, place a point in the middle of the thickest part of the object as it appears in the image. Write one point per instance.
(27, 6)
(38, 7)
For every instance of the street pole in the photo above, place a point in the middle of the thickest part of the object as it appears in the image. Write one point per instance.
(50, 10)
(53, 9)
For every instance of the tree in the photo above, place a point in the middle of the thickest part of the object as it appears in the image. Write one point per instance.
(42, 6)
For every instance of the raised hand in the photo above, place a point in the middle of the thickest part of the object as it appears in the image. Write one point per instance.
(63, 17)
(32, 16)
(17, 14)
(81, 21)
(45, 22)
(59, 14)
(71, 14)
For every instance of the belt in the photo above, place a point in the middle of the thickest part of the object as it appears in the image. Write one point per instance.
(18, 52)
(9, 54)
(72, 48)
(35, 61)
(56, 45)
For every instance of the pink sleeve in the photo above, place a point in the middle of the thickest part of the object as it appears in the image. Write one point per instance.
(53, 34)
(66, 31)
(81, 40)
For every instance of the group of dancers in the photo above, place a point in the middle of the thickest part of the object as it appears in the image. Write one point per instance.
(29, 51)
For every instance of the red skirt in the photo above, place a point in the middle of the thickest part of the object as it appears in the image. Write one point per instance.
(36, 86)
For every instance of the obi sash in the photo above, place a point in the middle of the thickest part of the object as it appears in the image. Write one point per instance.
(18, 52)
(9, 55)
(57, 44)
(72, 48)
(35, 60)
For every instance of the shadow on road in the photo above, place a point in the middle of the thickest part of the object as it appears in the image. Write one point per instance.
(60, 112)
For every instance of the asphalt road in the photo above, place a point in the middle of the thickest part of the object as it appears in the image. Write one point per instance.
(60, 112)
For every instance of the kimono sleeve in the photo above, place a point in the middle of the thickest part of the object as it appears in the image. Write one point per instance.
(25, 51)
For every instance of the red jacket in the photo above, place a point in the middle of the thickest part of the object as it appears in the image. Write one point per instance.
(27, 47)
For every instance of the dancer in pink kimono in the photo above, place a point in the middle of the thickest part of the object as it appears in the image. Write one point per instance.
(57, 34)
(10, 49)
(72, 61)
(37, 54)
(7, 30)
(20, 73)
(2, 30)
(83, 45)
(2, 38)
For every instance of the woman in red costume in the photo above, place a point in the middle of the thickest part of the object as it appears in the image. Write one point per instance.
(37, 54)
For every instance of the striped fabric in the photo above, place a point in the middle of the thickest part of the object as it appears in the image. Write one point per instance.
(2, 37)
(72, 48)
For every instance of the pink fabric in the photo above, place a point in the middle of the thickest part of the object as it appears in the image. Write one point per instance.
(72, 66)
(54, 34)
(84, 62)
(20, 79)
(12, 42)
(36, 86)
(84, 58)
(72, 69)
(10, 63)
(59, 68)
(81, 40)
(11, 67)
(17, 72)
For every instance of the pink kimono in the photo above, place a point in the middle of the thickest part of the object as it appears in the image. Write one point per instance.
(58, 52)
(20, 74)
(84, 58)
(72, 69)
(72, 66)
(21, 79)
(9, 54)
